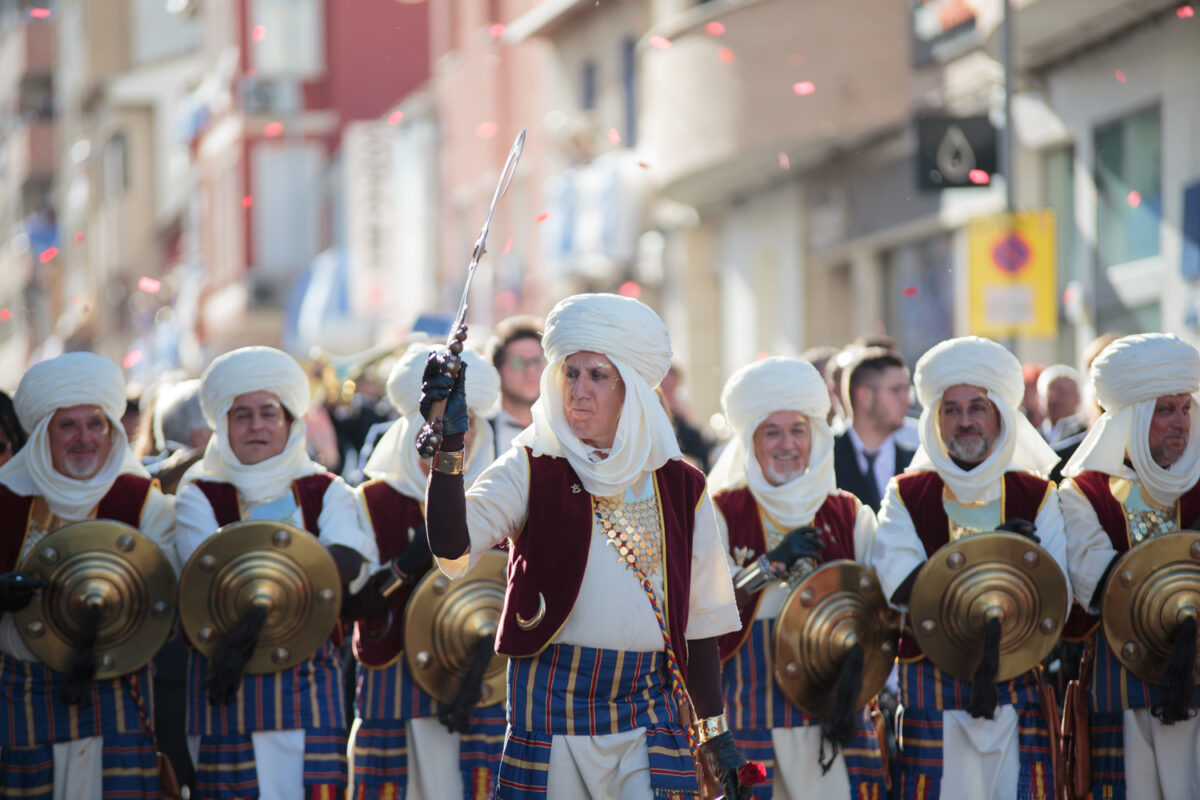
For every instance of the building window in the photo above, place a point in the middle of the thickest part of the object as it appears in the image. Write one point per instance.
(116, 166)
(918, 300)
(1128, 188)
(293, 42)
(629, 87)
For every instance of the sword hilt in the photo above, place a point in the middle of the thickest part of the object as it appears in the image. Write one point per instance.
(429, 440)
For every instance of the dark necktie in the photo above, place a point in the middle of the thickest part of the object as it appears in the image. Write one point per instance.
(871, 488)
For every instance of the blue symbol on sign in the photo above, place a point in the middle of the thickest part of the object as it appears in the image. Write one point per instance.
(1011, 254)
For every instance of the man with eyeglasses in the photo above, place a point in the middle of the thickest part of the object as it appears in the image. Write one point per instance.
(866, 455)
(516, 352)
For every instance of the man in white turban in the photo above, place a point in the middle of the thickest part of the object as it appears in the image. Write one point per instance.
(68, 736)
(256, 466)
(1135, 477)
(405, 744)
(778, 511)
(980, 467)
(615, 558)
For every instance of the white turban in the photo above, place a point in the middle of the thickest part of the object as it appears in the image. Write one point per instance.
(1128, 377)
(633, 337)
(242, 371)
(72, 379)
(395, 458)
(754, 393)
(1051, 374)
(973, 361)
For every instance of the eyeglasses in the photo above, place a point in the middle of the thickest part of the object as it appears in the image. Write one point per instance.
(520, 363)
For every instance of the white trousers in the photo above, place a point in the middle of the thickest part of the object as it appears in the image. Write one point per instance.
(1162, 762)
(798, 767)
(981, 758)
(433, 760)
(615, 766)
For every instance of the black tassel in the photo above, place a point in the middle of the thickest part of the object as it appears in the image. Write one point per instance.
(225, 669)
(457, 715)
(1178, 692)
(83, 666)
(841, 725)
(983, 689)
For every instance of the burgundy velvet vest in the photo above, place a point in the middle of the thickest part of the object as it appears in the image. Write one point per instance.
(379, 640)
(548, 558)
(123, 502)
(836, 517)
(309, 492)
(1111, 515)
(921, 493)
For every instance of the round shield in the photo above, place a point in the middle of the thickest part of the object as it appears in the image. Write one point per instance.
(266, 563)
(1152, 589)
(444, 622)
(108, 566)
(994, 575)
(837, 606)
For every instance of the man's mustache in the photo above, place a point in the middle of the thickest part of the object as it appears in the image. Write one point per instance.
(968, 431)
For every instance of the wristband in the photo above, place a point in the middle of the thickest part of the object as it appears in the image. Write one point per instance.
(710, 728)
(448, 463)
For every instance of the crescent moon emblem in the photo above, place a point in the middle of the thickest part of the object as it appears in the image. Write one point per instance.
(536, 619)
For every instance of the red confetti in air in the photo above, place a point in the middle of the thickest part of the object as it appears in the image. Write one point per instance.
(542, 217)
(48, 255)
(784, 161)
(1070, 295)
(1120, 76)
(247, 201)
(79, 301)
(714, 28)
(39, 13)
(132, 360)
(496, 30)
(259, 32)
(79, 238)
(1134, 198)
(1185, 12)
(614, 136)
(5, 315)
(726, 55)
(395, 117)
(643, 165)
(272, 129)
(148, 284)
(660, 42)
(630, 289)
(909, 291)
(486, 130)
(803, 88)
(979, 177)
(508, 244)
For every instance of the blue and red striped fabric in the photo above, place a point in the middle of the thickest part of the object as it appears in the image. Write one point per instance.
(574, 691)
(756, 705)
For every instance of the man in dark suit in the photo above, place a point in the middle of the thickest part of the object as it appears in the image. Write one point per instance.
(876, 392)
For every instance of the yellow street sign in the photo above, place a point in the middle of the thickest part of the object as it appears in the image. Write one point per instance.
(1011, 278)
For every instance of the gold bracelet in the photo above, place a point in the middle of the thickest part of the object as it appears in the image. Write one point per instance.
(710, 728)
(448, 463)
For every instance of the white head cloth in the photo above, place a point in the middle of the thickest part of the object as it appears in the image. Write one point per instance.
(395, 458)
(754, 393)
(72, 379)
(1052, 373)
(242, 371)
(1128, 377)
(973, 361)
(635, 339)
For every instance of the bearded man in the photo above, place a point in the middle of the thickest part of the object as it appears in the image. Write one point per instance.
(67, 736)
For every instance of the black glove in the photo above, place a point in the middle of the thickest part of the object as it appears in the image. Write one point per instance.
(903, 592)
(1020, 526)
(369, 601)
(416, 558)
(437, 385)
(801, 543)
(726, 762)
(17, 589)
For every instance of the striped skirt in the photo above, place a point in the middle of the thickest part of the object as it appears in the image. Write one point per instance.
(756, 705)
(926, 692)
(386, 699)
(575, 691)
(308, 696)
(33, 719)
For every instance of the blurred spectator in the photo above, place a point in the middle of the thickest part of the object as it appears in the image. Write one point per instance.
(1031, 406)
(693, 442)
(180, 432)
(516, 352)
(819, 357)
(132, 417)
(1091, 412)
(12, 436)
(877, 392)
(1058, 391)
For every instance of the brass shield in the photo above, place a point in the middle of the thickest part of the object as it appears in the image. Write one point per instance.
(1152, 588)
(444, 621)
(838, 605)
(998, 575)
(267, 563)
(113, 567)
